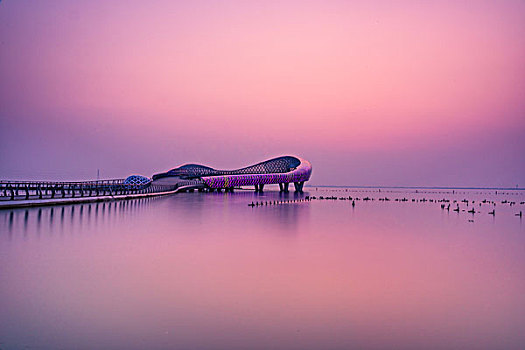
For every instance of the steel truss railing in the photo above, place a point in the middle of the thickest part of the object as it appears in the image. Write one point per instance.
(27, 190)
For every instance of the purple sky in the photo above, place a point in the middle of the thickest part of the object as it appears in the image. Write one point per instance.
(372, 93)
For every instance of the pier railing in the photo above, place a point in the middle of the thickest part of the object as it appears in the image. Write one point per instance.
(27, 190)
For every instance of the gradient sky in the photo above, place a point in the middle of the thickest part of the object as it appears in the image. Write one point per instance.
(427, 93)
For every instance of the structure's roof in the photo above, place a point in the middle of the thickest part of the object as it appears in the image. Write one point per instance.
(276, 165)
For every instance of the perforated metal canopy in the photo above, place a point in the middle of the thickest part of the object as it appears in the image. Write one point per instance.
(277, 165)
(284, 169)
(137, 180)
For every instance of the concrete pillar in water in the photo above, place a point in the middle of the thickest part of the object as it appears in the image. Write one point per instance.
(298, 186)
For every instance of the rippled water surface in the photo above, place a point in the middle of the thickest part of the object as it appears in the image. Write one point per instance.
(207, 271)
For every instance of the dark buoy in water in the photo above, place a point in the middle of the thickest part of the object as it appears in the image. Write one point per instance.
(520, 214)
(353, 204)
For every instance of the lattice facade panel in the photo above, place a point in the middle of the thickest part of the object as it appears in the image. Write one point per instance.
(137, 180)
(277, 165)
(278, 170)
(300, 174)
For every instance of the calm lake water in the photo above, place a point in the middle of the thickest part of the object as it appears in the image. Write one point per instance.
(206, 271)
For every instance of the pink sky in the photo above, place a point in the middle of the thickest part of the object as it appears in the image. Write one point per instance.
(372, 93)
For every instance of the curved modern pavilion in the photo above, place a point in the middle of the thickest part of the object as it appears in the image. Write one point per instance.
(282, 170)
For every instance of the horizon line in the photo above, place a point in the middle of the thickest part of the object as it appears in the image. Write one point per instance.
(424, 187)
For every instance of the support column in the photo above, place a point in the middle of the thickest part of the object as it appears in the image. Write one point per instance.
(298, 186)
(283, 187)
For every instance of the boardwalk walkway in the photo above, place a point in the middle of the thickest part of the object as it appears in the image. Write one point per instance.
(14, 194)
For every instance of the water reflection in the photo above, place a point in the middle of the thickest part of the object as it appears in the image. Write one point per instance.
(199, 208)
(206, 271)
(29, 221)
(185, 207)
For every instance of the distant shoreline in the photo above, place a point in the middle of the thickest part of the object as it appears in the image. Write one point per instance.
(426, 187)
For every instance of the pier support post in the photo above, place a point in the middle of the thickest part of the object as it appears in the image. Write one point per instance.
(298, 186)
(283, 187)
